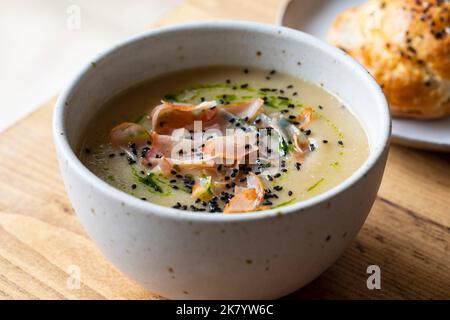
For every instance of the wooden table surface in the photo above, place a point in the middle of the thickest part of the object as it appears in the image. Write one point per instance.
(407, 233)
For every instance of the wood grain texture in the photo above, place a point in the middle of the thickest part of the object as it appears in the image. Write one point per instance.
(407, 233)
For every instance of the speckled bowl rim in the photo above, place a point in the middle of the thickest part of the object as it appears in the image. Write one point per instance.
(147, 207)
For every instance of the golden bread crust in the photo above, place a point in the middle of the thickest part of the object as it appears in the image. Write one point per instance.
(405, 45)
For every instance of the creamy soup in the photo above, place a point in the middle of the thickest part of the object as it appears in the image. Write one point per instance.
(224, 139)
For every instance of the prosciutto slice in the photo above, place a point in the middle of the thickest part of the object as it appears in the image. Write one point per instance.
(128, 133)
(169, 116)
(231, 149)
(247, 199)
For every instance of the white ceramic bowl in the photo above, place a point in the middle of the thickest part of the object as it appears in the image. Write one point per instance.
(181, 254)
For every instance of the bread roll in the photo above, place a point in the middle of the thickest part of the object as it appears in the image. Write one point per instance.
(405, 45)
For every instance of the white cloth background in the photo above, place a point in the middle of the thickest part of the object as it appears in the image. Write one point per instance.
(44, 42)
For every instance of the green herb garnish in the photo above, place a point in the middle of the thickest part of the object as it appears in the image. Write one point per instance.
(285, 203)
(335, 164)
(170, 97)
(284, 147)
(315, 185)
(150, 181)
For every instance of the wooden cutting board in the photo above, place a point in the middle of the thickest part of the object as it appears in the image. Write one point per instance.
(407, 233)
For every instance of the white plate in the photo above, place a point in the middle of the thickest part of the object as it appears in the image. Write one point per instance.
(315, 17)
